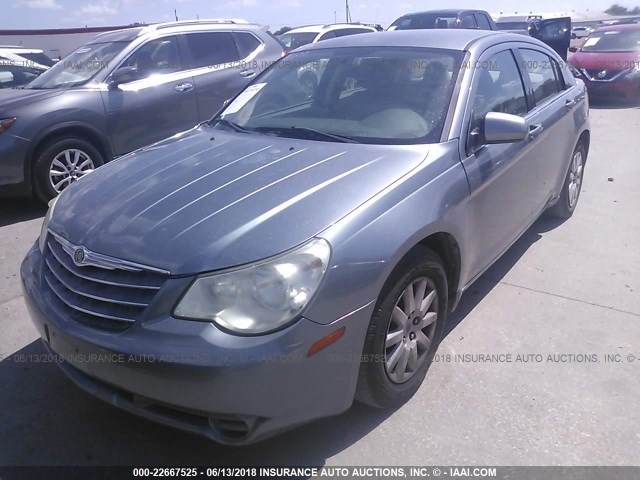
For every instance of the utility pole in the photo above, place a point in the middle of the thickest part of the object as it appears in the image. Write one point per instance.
(348, 13)
(335, 17)
(175, 14)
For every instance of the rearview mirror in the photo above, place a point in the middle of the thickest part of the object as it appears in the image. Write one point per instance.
(123, 75)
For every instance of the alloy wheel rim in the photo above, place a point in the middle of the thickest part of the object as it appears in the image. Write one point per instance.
(68, 167)
(575, 178)
(411, 330)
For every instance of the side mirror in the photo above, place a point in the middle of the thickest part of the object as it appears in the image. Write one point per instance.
(504, 128)
(573, 49)
(123, 75)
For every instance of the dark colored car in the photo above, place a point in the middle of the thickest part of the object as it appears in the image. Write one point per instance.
(555, 32)
(123, 90)
(608, 62)
(448, 18)
(296, 252)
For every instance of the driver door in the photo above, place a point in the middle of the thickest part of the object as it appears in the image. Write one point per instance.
(158, 104)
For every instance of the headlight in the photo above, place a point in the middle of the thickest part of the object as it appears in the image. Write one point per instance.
(259, 298)
(5, 123)
(45, 224)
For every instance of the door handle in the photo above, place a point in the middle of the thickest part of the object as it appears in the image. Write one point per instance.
(534, 131)
(183, 87)
(569, 103)
(247, 72)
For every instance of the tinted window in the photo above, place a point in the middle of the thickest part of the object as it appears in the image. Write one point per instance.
(499, 87)
(212, 48)
(541, 72)
(295, 40)
(155, 57)
(468, 21)
(246, 43)
(343, 32)
(327, 36)
(39, 58)
(427, 21)
(15, 75)
(483, 22)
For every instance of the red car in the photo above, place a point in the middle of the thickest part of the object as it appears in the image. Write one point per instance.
(609, 62)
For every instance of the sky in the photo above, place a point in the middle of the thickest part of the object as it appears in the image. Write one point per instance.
(21, 14)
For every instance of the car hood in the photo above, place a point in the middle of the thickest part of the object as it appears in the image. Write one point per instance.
(207, 199)
(13, 98)
(605, 60)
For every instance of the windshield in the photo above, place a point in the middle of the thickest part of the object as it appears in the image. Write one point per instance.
(295, 40)
(613, 41)
(385, 95)
(80, 66)
(39, 58)
(419, 22)
(512, 25)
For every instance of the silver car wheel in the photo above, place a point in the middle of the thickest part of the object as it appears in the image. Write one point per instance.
(411, 329)
(67, 167)
(575, 177)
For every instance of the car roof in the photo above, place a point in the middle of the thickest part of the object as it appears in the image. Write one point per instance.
(20, 49)
(615, 28)
(444, 11)
(129, 34)
(327, 28)
(452, 39)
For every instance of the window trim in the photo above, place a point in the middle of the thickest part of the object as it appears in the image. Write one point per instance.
(468, 113)
(529, 86)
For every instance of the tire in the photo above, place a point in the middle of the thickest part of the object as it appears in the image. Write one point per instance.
(572, 186)
(379, 385)
(63, 149)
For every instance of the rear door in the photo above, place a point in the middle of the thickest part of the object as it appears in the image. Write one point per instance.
(552, 102)
(555, 32)
(219, 69)
(159, 103)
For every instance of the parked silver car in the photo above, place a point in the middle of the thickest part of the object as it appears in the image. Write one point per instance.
(295, 253)
(123, 90)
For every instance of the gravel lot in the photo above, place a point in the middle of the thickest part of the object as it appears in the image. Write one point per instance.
(562, 289)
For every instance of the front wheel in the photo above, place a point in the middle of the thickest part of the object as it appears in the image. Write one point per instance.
(572, 187)
(404, 333)
(62, 162)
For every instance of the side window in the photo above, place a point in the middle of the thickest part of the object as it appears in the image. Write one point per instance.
(155, 57)
(246, 43)
(483, 22)
(468, 21)
(327, 36)
(539, 67)
(499, 87)
(214, 48)
(343, 32)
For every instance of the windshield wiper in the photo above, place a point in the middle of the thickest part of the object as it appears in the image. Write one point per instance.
(308, 133)
(232, 125)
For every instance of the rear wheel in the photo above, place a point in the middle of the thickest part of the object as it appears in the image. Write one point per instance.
(61, 162)
(572, 187)
(404, 332)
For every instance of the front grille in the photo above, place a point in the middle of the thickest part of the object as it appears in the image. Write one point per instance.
(608, 75)
(105, 297)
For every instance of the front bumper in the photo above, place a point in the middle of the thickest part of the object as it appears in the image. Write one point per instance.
(13, 154)
(193, 376)
(622, 89)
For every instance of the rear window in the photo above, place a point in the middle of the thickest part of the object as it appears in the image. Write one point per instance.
(295, 40)
(213, 48)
